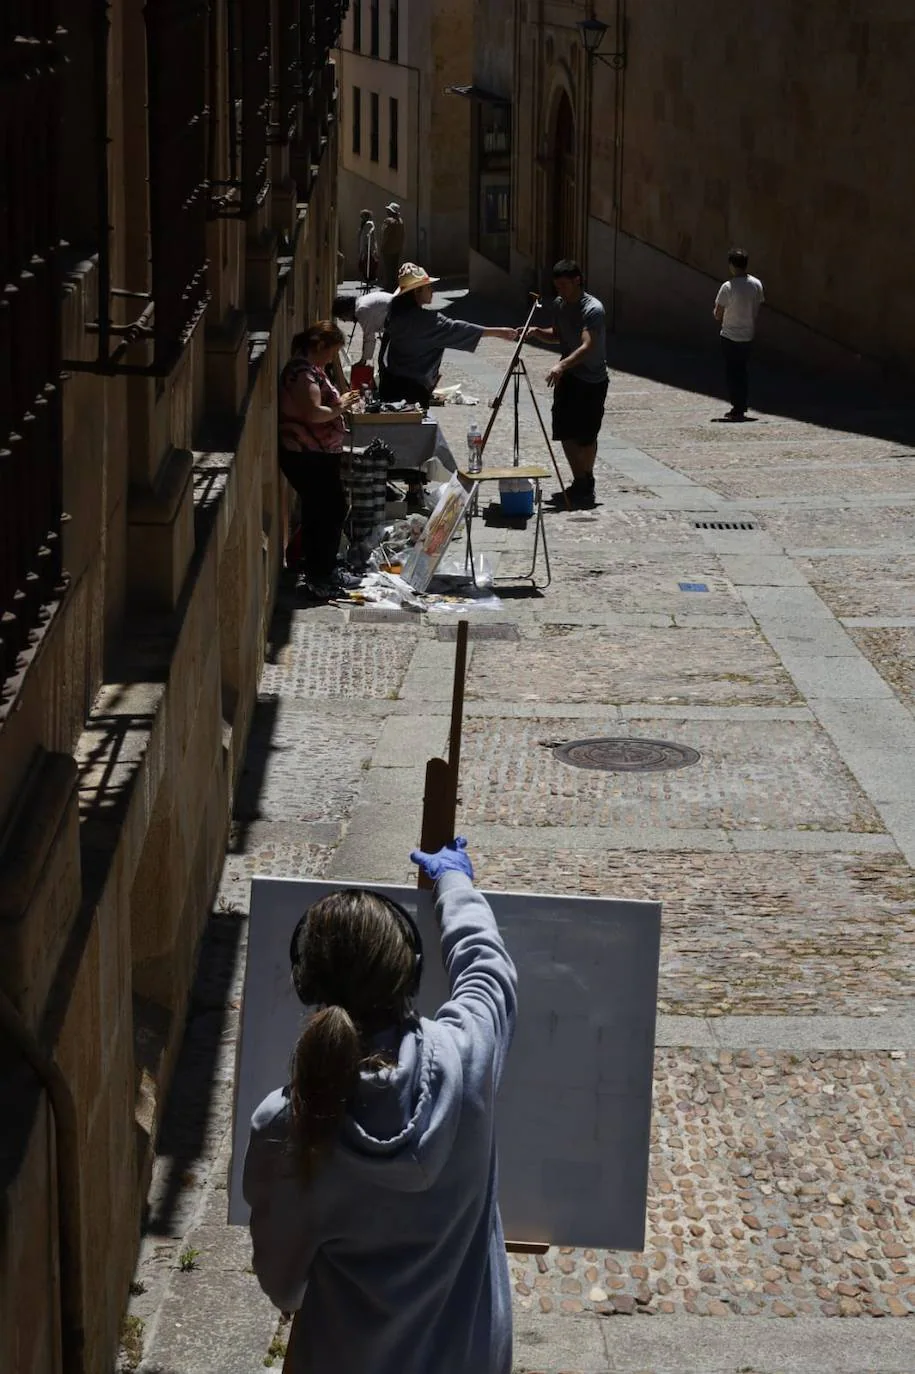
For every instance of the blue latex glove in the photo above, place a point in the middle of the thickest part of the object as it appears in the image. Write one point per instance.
(452, 859)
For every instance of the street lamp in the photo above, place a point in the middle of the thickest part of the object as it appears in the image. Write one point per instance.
(592, 33)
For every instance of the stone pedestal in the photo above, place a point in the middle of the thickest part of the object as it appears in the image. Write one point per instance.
(226, 347)
(160, 539)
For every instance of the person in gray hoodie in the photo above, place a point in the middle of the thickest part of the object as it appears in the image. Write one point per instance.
(372, 1176)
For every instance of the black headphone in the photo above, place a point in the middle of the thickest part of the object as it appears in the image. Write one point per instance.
(310, 995)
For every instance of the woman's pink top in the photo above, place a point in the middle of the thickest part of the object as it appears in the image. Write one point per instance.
(296, 432)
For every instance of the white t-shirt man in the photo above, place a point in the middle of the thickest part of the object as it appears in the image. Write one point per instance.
(371, 313)
(739, 299)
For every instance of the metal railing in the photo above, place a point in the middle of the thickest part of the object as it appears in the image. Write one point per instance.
(177, 35)
(248, 59)
(31, 66)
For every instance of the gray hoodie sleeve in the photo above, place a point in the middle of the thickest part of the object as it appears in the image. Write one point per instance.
(281, 1237)
(484, 985)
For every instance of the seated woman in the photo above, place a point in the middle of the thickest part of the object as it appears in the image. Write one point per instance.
(415, 339)
(312, 432)
(371, 1176)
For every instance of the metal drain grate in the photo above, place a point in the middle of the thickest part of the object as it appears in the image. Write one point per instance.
(626, 755)
(725, 525)
(503, 631)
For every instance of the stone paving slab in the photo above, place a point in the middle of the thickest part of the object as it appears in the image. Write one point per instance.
(781, 1185)
(671, 667)
(776, 775)
(694, 1345)
(740, 932)
(636, 586)
(303, 768)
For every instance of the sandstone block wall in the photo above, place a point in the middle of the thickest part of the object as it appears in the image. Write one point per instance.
(119, 761)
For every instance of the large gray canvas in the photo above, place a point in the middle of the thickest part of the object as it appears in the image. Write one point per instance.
(574, 1112)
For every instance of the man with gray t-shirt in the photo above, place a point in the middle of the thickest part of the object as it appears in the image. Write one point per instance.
(736, 307)
(579, 379)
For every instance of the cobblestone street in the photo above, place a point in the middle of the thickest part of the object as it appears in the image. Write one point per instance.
(781, 1216)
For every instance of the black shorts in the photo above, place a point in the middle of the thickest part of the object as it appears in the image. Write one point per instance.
(578, 410)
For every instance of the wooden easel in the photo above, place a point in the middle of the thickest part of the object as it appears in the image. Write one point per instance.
(514, 372)
(440, 818)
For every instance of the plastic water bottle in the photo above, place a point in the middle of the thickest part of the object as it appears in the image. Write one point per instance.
(474, 449)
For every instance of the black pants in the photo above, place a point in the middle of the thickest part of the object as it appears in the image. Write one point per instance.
(403, 389)
(316, 479)
(736, 362)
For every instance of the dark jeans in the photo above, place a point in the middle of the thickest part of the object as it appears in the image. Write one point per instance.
(390, 266)
(403, 389)
(316, 479)
(736, 361)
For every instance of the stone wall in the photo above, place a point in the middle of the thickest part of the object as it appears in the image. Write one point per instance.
(778, 126)
(119, 759)
(432, 181)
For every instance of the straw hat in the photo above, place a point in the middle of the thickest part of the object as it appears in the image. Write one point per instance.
(393, 208)
(411, 278)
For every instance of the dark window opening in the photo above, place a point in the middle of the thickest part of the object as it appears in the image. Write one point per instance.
(357, 121)
(374, 129)
(375, 35)
(490, 212)
(394, 36)
(393, 133)
(357, 25)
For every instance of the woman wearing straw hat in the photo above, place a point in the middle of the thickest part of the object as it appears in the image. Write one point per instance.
(415, 339)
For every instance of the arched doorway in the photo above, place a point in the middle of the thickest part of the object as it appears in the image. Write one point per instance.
(561, 236)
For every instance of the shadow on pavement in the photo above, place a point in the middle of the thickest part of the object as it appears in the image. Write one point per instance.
(882, 410)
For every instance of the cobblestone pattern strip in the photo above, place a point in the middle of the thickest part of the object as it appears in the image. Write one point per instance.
(892, 652)
(344, 661)
(856, 586)
(781, 1185)
(776, 775)
(726, 667)
(740, 933)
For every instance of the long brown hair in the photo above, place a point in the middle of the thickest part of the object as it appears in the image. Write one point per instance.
(353, 957)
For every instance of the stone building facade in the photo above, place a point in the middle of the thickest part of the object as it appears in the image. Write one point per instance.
(402, 136)
(170, 221)
(781, 126)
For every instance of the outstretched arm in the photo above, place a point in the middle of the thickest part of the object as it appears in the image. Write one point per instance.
(484, 985)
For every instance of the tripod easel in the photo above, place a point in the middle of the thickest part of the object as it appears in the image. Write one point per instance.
(513, 373)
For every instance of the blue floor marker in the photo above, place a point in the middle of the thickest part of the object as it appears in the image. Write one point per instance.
(693, 587)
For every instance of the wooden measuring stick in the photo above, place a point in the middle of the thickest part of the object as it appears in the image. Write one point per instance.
(440, 797)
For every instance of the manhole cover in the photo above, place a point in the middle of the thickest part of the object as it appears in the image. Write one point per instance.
(626, 755)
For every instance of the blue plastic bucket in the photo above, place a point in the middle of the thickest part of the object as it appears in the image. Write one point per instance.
(516, 496)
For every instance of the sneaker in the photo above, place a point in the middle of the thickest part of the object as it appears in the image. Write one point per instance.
(314, 589)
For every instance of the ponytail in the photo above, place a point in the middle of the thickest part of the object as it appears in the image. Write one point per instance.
(325, 1073)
